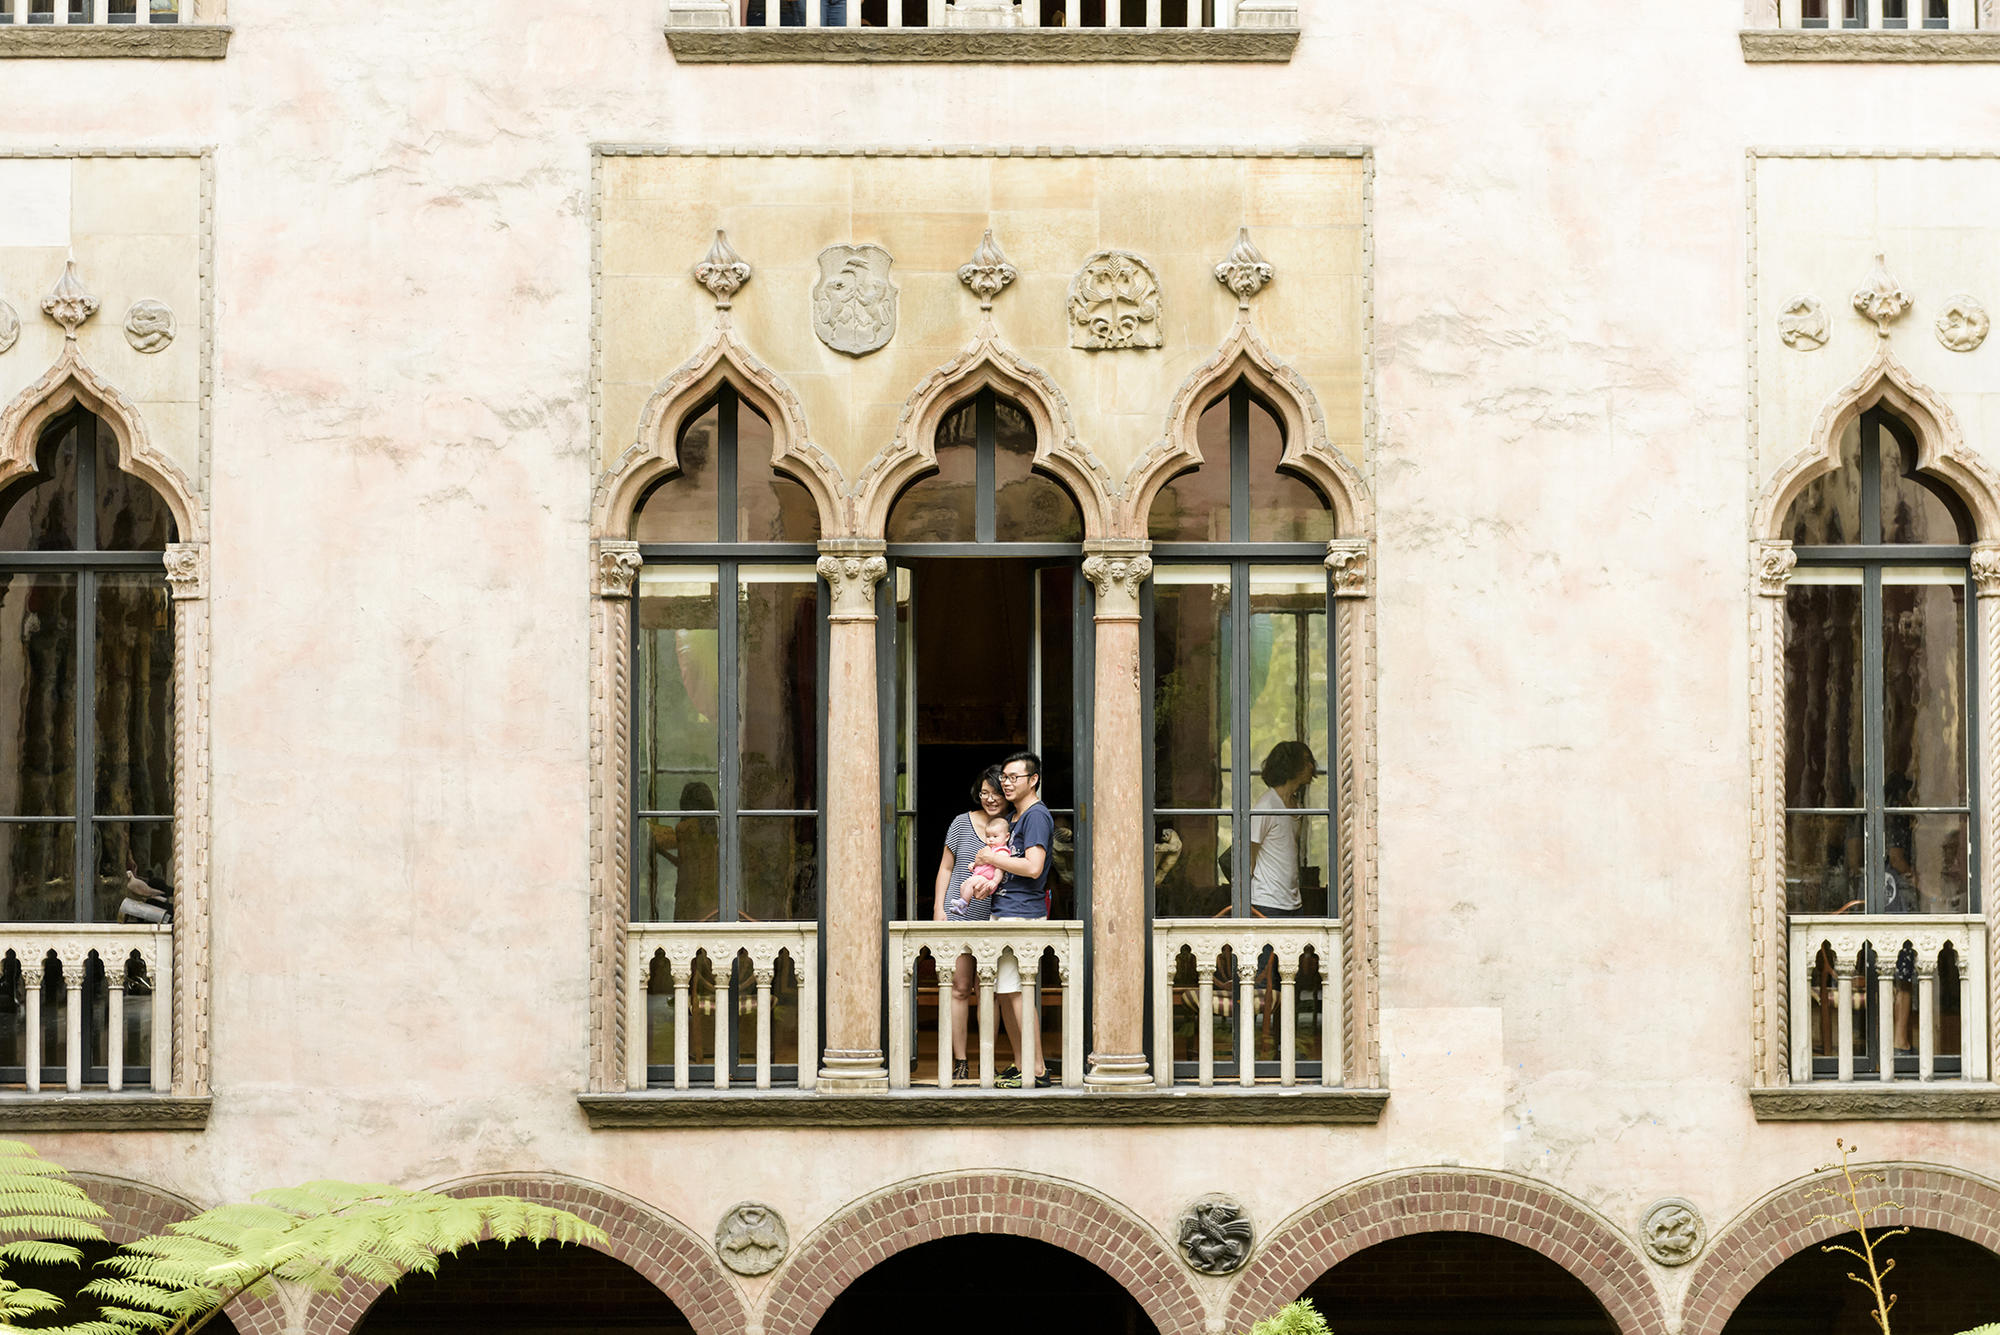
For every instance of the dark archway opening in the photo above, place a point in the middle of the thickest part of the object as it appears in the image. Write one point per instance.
(1943, 1284)
(1447, 1283)
(518, 1289)
(986, 1284)
(64, 1280)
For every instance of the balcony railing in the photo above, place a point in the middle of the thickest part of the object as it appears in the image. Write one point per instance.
(1049, 955)
(97, 994)
(1888, 997)
(699, 994)
(82, 12)
(1239, 979)
(1879, 15)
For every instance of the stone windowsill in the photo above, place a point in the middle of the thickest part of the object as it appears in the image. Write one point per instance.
(102, 1111)
(127, 41)
(938, 46)
(1300, 1106)
(1861, 46)
(1826, 1101)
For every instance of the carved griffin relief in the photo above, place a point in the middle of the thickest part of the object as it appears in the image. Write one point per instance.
(854, 302)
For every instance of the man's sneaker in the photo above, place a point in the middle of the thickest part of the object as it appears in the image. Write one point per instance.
(1042, 1081)
(1008, 1079)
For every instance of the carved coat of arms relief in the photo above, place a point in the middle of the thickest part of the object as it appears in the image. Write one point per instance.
(854, 302)
(1114, 302)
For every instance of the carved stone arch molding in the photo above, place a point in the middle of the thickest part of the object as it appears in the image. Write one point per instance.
(673, 1257)
(139, 1210)
(1942, 454)
(1791, 1219)
(1060, 1213)
(985, 363)
(1451, 1200)
(72, 382)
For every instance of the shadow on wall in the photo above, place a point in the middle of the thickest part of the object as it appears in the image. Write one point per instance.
(986, 1284)
(1456, 1284)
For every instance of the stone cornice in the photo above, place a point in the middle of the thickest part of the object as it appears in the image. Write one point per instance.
(101, 1112)
(952, 46)
(131, 41)
(1946, 1101)
(1838, 46)
(1301, 1106)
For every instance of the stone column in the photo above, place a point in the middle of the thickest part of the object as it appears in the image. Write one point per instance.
(1986, 625)
(1772, 562)
(1352, 796)
(180, 1057)
(614, 570)
(853, 1056)
(1120, 848)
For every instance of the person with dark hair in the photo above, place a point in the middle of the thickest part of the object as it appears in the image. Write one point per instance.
(691, 846)
(953, 904)
(1024, 893)
(1274, 834)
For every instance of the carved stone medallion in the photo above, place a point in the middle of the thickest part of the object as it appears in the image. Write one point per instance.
(10, 327)
(854, 302)
(1803, 325)
(1215, 1235)
(751, 1239)
(1881, 300)
(1672, 1232)
(1964, 324)
(149, 326)
(1114, 302)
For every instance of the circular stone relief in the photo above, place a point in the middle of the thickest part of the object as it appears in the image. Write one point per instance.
(1803, 325)
(1672, 1232)
(751, 1239)
(1215, 1235)
(1964, 324)
(10, 326)
(149, 326)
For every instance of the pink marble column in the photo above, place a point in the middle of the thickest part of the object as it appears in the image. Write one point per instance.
(852, 1060)
(1119, 852)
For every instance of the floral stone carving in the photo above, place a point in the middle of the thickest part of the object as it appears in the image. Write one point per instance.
(1881, 300)
(1215, 1235)
(1244, 270)
(10, 327)
(988, 273)
(1114, 302)
(854, 302)
(1672, 1232)
(69, 305)
(751, 1239)
(1803, 324)
(1964, 324)
(1775, 561)
(618, 563)
(1986, 568)
(722, 271)
(149, 326)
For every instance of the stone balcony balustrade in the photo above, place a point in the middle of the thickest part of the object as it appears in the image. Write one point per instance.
(134, 958)
(1054, 943)
(1832, 958)
(718, 975)
(1194, 961)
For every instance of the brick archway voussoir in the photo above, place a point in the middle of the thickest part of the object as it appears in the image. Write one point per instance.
(1498, 1205)
(139, 1211)
(1062, 1214)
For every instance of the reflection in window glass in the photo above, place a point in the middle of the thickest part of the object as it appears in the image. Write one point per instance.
(683, 508)
(1194, 507)
(780, 861)
(1924, 727)
(939, 508)
(770, 506)
(1283, 507)
(135, 696)
(1828, 511)
(777, 699)
(1823, 863)
(1191, 866)
(678, 689)
(683, 884)
(1028, 507)
(1823, 704)
(38, 647)
(1914, 509)
(1192, 639)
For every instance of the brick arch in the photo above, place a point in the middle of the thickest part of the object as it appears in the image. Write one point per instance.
(1062, 1214)
(1498, 1205)
(139, 1211)
(669, 1254)
(1780, 1226)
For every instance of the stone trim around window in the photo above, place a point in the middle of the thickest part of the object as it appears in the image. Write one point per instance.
(991, 46)
(1141, 1106)
(1939, 1101)
(125, 41)
(1779, 46)
(102, 1112)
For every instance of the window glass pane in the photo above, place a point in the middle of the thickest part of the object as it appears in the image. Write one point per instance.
(780, 860)
(1914, 510)
(1194, 507)
(1926, 866)
(1192, 636)
(1828, 511)
(38, 645)
(1056, 588)
(1288, 669)
(777, 621)
(1283, 507)
(42, 517)
(1062, 866)
(1191, 866)
(135, 696)
(131, 516)
(1924, 727)
(684, 508)
(1027, 507)
(770, 507)
(939, 508)
(1315, 852)
(37, 872)
(1823, 864)
(680, 870)
(678, 689)
(126, 849)
(1823, 706)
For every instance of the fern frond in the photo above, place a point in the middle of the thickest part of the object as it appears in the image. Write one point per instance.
(36, 1251)
(1301, 1318)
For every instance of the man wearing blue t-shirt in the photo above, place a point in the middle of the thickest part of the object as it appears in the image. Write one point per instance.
(1023, 893)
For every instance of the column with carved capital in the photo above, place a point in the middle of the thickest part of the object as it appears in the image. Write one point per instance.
(1353, 800)
(180, 1048)
(1119, 838)
(1772, 562)
(614, 569)
(1986, 583)
(853, 1057)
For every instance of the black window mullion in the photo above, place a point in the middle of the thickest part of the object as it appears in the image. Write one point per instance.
(1239, 463)
(86, 735)
(1239, 736)
(1875, 845)
(725, 469)
(985, 526)
(730, 902)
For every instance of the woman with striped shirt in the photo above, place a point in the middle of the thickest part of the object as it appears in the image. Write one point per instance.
(961, 843)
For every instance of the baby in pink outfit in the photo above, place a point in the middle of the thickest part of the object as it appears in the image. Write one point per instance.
(982, 877)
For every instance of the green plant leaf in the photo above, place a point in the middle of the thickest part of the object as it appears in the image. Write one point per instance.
(1301, 1318)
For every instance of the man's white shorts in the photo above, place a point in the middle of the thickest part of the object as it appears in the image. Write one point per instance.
(1007, 978)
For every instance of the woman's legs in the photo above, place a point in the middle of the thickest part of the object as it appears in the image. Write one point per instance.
(964, 978)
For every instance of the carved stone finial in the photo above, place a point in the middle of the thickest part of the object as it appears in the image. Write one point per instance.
(751, 1239)
(1118, 574)
(1964, 324)
(618, 565)
(988, 273)
(1215, 1235)
(722, 271)
(1672, 1232)
(69, 305)
(149, 326)
(1986, 569)
(1114, 302)
(1244, 270)
(1803, 325)
(10, 326)
(1347, 559)
(851, 578)
(1775, 560)
(186, 578)
(1881, 300)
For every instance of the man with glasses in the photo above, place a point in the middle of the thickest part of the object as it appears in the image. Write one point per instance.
(1023, 894)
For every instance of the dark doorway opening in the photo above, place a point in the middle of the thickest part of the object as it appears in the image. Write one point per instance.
(64, 1280)
(518, 1289)
(986, 1284)
(1453, 1283)
(1943, 1284)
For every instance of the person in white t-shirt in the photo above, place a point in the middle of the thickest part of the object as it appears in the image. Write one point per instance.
(1274, 851)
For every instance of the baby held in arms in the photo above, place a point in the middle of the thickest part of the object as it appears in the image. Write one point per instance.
(982, 880)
